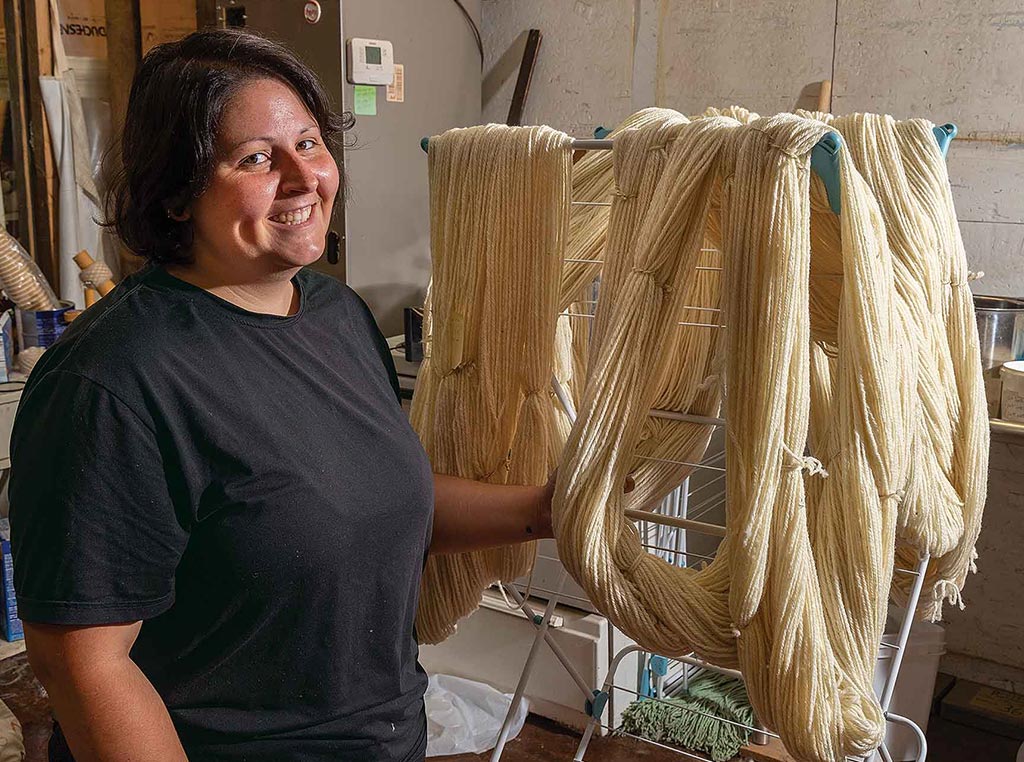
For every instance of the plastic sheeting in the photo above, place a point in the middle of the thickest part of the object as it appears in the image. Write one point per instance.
(465, 717)
(79, 131)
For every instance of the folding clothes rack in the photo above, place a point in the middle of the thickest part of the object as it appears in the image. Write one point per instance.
(825, 164)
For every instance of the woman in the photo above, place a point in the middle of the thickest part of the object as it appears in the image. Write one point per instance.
(219, 511)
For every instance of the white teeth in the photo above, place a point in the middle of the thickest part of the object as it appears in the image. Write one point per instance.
(294, 218)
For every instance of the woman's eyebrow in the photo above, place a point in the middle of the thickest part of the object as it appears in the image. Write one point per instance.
(267, 139)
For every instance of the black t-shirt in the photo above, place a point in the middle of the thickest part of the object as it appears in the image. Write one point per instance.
(249, 487)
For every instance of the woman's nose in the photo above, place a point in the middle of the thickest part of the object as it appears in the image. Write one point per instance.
(297, 175)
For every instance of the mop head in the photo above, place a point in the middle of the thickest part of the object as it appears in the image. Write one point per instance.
(683, 720)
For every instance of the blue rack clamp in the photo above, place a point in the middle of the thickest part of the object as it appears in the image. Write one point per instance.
(595, 707)
(825, 164)
(601, 133)
(825, 160)
(659, 665)
(425, 144)
(944, 135)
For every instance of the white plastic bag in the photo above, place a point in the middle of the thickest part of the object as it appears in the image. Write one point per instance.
(465, 717)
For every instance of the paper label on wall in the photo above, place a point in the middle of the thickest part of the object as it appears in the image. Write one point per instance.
(83, 28)
(396, 90)
(365, 103)
(83, 24)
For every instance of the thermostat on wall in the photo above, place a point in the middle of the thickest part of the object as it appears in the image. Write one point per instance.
(370, 62)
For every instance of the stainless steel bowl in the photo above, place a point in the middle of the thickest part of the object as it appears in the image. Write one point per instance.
(1000, 331)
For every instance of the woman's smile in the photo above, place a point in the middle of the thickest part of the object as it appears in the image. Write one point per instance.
(295, 217)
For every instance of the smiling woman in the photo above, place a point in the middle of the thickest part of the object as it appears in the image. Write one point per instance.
(193, 105)
(219, 511)
(270, 192)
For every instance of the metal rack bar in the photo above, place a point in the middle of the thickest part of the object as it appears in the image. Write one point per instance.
(675, 521)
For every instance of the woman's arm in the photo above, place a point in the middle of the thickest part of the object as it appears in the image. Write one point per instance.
(106, 707)
(471, 515)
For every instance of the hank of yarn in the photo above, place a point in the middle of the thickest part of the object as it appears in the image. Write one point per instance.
(483, 407)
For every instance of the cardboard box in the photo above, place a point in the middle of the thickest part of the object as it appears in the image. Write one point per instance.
(165, 21)
(12, 625)
(83, 24)
(989, 709)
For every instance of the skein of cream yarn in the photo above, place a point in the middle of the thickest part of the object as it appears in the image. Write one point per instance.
(689, 385)
(947, 421)
(929, 181)
(761, 603)
(483, 406)
(593, 187)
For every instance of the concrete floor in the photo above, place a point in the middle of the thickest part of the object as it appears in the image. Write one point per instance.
(540, 740)
(544, 740)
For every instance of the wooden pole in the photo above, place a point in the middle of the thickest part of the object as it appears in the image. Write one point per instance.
(526, 67)
(44, 182)
(825, 96)
(124, 51)
(14, 21)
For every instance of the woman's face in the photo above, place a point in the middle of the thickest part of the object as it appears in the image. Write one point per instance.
(272, 190)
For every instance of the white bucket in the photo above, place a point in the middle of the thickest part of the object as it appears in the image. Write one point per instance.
(1012, 374)
(915, 686)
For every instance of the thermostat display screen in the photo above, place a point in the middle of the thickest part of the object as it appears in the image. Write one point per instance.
(369, 61)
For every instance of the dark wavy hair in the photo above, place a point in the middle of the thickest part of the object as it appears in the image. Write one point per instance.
(168, 144)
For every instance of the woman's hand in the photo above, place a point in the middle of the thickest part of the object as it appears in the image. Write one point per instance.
(543, 512)
(544, 520)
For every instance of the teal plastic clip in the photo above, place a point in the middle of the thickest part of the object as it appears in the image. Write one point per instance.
(595, 707)
(825, 164)
(659, 665)
(601, 133)
(944, 135)
(825, 159)
(425, 144)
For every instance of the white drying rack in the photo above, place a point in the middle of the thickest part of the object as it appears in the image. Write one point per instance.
(596, 698)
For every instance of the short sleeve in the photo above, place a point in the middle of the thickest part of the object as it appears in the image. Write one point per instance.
(94, 533)
(381, 345)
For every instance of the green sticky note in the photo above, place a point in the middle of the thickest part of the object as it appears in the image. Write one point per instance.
(366, 100)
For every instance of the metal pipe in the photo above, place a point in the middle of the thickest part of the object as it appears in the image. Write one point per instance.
(922, 753)
(517, 697)
(563, 398)
(901, 642)
(674, 521)
(591, 144)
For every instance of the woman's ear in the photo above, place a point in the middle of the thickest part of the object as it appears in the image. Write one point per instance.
(178, 207)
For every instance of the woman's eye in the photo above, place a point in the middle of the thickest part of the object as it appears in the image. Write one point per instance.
(307, 144)
(255, 159)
